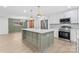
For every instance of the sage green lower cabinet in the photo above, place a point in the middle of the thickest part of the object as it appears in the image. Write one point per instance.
(46, 40)
(13, 26)
(24, 34)
(35, 39)
(40, 41)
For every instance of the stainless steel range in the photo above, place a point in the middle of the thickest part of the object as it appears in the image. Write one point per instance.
(64, 32)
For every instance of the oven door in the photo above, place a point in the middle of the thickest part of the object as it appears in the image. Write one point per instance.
(65, 35)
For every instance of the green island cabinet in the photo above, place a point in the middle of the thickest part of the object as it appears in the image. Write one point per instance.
(13, 26)
(40, 41)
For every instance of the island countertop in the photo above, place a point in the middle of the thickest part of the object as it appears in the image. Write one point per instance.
(39, 30)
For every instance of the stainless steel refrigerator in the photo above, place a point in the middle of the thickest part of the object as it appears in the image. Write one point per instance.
(44, 24)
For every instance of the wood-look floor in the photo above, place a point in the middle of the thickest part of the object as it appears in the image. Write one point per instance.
(12, 43)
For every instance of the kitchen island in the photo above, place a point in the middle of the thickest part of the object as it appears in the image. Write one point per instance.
(40, 39)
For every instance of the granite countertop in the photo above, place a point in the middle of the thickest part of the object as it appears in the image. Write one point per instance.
(39, 30)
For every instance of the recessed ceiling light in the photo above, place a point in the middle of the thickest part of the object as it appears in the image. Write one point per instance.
(24, 11)
(5, 6)
(68, 6)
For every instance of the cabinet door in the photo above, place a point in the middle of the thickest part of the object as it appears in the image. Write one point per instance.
(51, 38)
(24, 34)
(27, 35)
(56, 33)
(30, 37)
(56, 19)
(35, 38)
(44, 40)
(25, 24)
(78, 34)
(78, 39)
(72, 14)
(51, 18)
(73, 35)
(78, 15)
(11, 27)
(61, 15)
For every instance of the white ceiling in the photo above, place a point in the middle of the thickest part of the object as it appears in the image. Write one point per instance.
(19, 10)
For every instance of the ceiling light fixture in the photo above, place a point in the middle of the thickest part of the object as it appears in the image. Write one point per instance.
(40, 15)
(39, 11)
(31, 17)
(24, 11)
(5, 6)
(31, 11)
(68, 6)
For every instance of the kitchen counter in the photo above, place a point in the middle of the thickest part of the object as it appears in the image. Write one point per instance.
(38, 39)
(39, 30)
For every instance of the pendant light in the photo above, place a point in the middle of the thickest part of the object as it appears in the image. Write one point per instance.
(31, 17)
(40, 13)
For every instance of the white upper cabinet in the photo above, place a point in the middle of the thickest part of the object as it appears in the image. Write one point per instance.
(51, 19)
(78, 15)
(56, 18)
(72, 14)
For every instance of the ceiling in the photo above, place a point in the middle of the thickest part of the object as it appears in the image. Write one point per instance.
(19, 10)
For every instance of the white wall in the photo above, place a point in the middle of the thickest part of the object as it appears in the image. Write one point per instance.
(3, 25)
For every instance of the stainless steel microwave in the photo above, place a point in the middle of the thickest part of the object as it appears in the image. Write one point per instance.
(65, 21)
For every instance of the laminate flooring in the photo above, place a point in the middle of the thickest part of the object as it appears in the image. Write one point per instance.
(12, 43)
